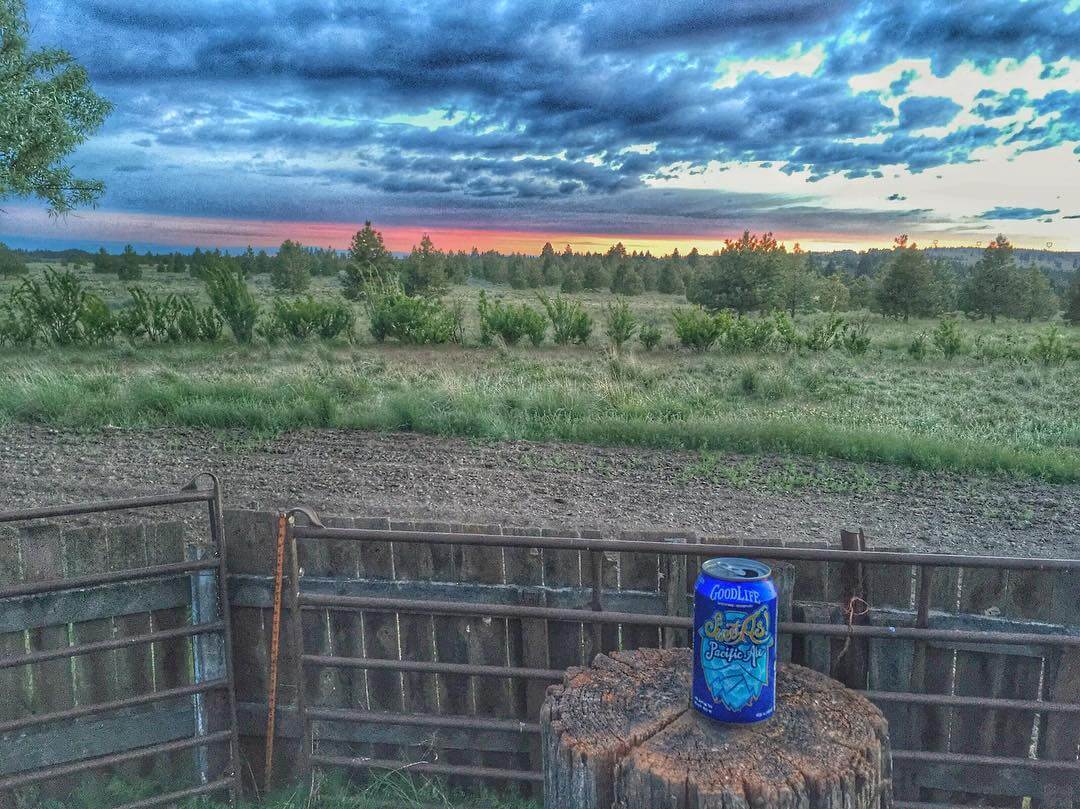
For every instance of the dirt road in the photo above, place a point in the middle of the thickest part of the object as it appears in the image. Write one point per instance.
(416, 477)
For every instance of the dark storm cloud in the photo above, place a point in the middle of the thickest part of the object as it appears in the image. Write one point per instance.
(545, 99)
(948, 33)
(924, 111)
(1018, 213)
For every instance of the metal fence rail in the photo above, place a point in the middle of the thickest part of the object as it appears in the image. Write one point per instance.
(1051, 765)
(207, 574)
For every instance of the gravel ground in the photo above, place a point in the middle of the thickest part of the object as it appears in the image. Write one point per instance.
(422, 477)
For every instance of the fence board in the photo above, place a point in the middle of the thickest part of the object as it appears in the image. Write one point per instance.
(486, 643)
(640, 572)
(1009, 733)
(251, 536)
(86, 551)
(12, 644)
(414, 561)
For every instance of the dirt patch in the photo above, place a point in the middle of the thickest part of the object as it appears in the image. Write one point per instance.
(421, 477)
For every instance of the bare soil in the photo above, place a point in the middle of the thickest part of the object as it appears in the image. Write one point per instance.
(421, 477)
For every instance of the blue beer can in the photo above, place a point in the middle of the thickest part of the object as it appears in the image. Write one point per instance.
(735, 641)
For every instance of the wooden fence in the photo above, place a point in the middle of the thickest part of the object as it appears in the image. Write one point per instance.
(461, 693)
(113, 640)
(412, 691)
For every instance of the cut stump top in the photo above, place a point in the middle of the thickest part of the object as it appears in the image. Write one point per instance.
(621, 734)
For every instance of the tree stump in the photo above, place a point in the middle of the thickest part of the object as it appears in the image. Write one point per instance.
(621, 734)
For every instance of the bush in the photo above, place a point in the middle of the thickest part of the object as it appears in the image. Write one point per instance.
(920, 345)
(650, 336)
(150, 317)
(856, 338)
(413, 320)
(825, 334)
(510, 322)
(743, 334)
(785, 331)
(167, 319)
(621, 324)
(306, 317)
(11, 263)
(59, 312)
(198, 323)
(231, 298)
(570, 323)
(696, 329)
(1050, 348)
(947, 338)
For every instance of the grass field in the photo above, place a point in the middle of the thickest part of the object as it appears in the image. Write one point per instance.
(992, 409)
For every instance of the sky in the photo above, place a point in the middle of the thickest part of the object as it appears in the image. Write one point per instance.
(507, 123)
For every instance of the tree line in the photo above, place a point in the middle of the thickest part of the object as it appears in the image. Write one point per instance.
(751, 273)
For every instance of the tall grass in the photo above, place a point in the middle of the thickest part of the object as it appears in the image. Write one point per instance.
(964, 414)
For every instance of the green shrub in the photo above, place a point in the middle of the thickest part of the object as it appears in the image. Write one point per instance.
(649, 336)
(825, 333)
(856, 338)
(920, 345)
(150, 317)
(947, 338)
(621, 325)
(306, 317)
(786, 334)
(696, 329)
(510, 322)
(414, 320)
(743, 334)
(58, 311)
(232, 299)
(570, 323)
(1050, 348)
(198, 323)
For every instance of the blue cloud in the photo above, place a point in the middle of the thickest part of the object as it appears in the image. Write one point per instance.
(543, 98)
(1018, 213)
(923, 111)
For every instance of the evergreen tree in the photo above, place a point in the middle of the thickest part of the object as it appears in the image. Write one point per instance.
(742, 277)
(424, 271)
(247, 262)
(994, 285)
(11, 263)
(626, 280)
(128, 267)
(670, 278)
(572, 280)
(906, 288)
(103, 262)
(1037, 299)
(795, 284)
(369, 265)
(291, 268)
(1072, 301)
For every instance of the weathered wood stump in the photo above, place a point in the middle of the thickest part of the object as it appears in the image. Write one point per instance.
(621, 734)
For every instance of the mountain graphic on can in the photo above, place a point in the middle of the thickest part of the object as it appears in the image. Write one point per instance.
(735, 641)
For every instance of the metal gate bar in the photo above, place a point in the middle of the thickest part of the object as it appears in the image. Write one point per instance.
(229, 779)
(921, 634)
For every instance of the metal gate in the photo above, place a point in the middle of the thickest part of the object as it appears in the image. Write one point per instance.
(115, 649)
(983, 700)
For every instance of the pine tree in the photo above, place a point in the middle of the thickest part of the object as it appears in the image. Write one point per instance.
(369, 265)
(907, 286)
(424, 271)
(1037, 299)
(291, 268)
(994, 285)
(1072, 301)
(128, 268)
